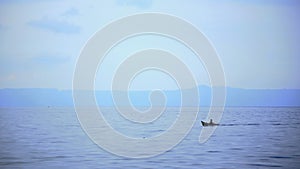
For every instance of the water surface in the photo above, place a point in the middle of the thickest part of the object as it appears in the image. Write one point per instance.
(248, 137)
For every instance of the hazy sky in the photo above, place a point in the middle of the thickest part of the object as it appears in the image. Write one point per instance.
(257, 42)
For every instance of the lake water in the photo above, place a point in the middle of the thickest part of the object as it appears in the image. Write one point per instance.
(248, 137)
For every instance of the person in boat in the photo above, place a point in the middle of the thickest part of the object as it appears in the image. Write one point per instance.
(211, 122)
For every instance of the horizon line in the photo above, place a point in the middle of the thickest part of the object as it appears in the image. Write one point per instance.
(139, 90)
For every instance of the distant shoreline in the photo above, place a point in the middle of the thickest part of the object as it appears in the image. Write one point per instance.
(43, 97)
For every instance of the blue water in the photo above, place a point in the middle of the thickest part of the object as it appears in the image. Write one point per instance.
(249, 137)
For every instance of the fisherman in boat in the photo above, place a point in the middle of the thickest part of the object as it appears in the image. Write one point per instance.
(210, 123)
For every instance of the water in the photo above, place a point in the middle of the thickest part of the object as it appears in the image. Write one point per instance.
(249, 137)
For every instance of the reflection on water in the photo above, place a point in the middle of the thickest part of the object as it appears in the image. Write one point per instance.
(250, 137)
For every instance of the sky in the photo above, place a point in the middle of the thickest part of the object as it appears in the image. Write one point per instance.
(257, 41)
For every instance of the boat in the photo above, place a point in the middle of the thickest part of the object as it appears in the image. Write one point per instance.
(208, 123)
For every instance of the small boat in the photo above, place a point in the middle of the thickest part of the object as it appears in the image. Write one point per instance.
(208, 123)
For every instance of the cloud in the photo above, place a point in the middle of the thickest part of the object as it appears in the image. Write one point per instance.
(55, 26)
(71, 12)
(23, 1)
(142, 4)
(50, 59)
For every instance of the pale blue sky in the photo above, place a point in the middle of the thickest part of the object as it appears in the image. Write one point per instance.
(257, 42)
